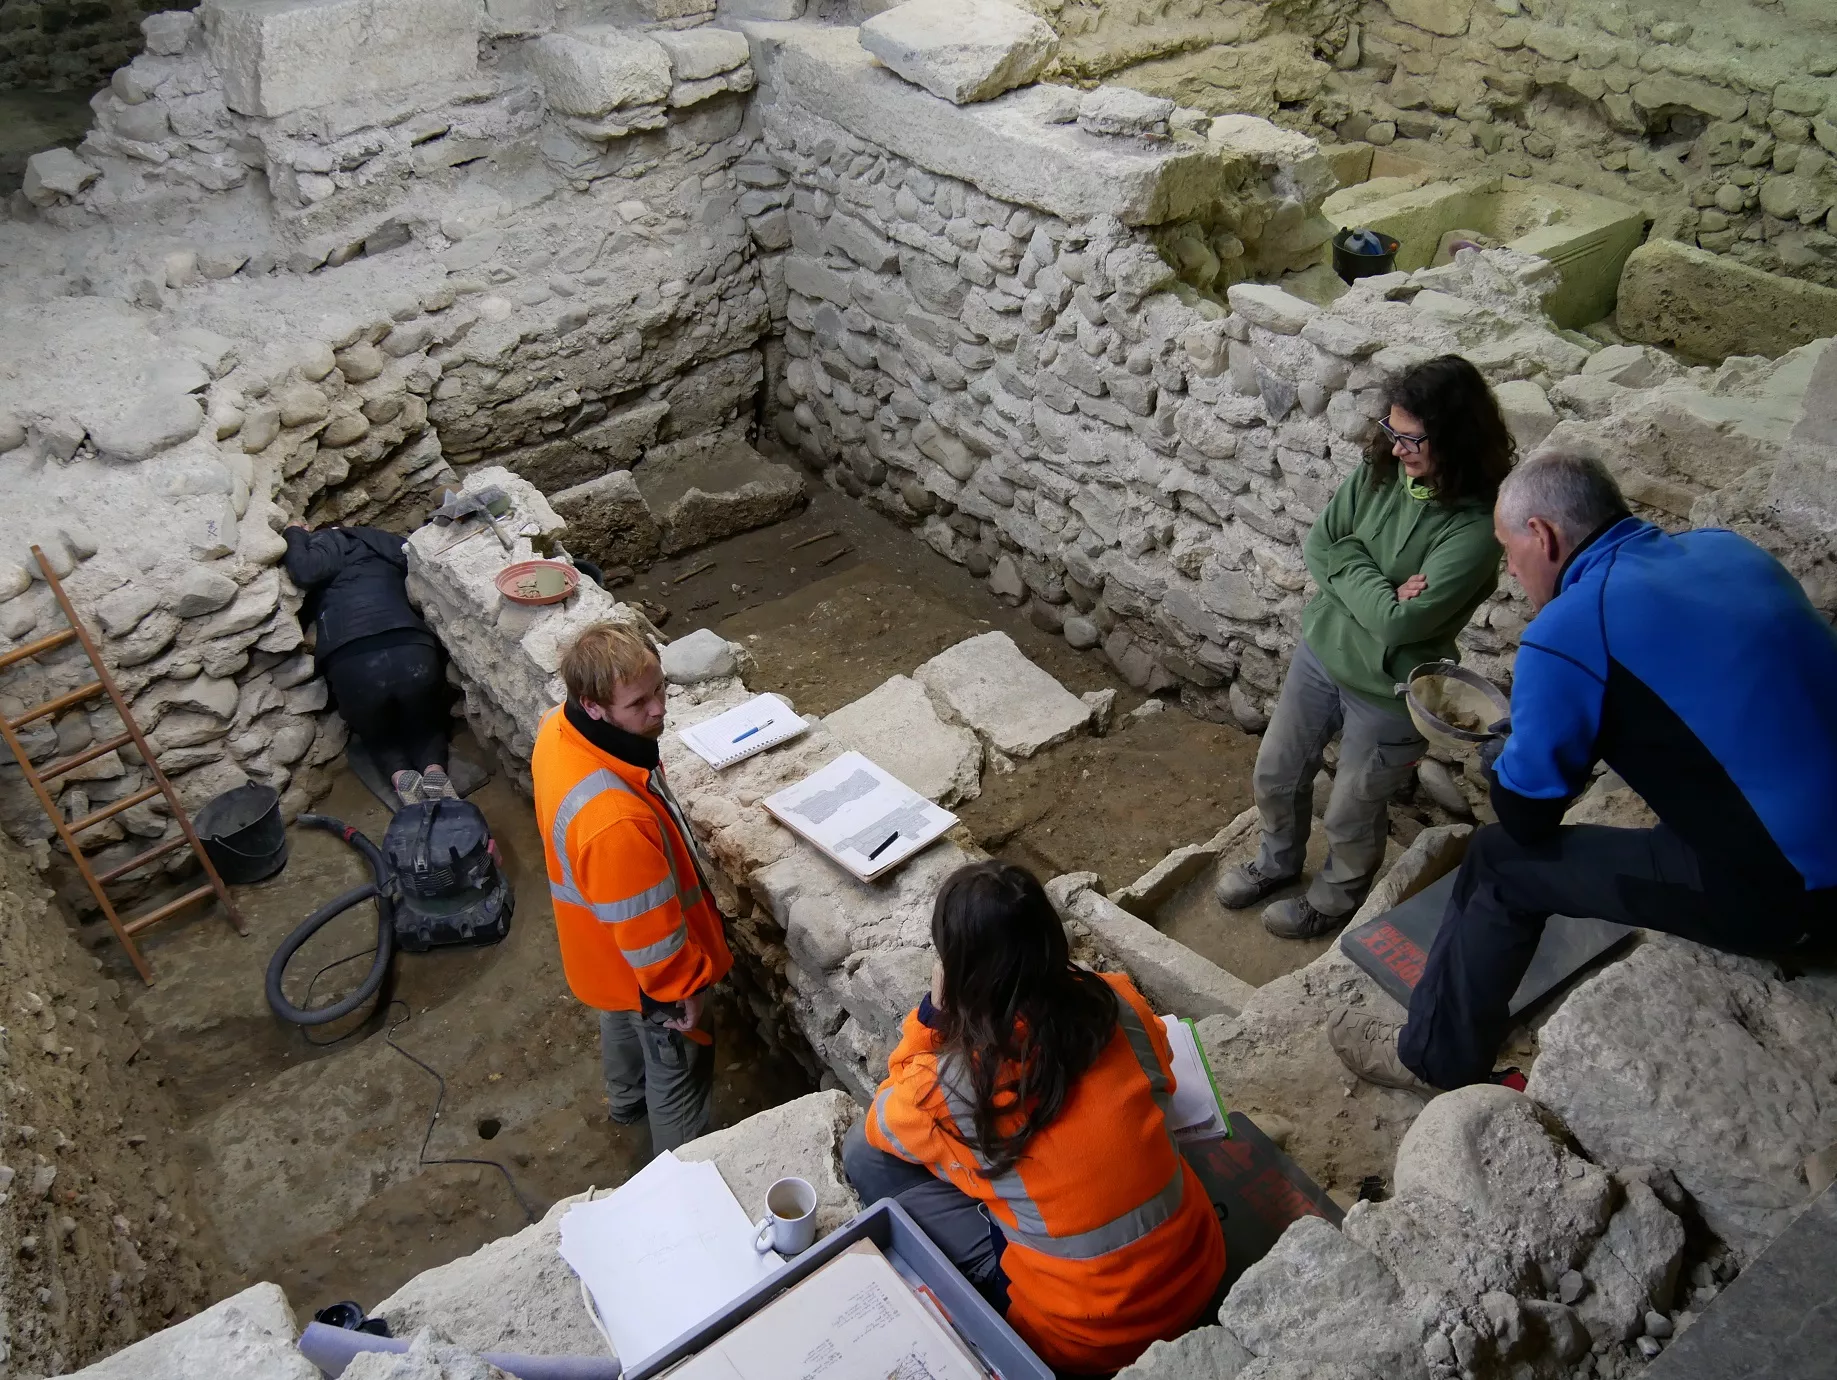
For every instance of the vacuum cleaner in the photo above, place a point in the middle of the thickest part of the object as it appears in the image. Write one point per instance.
(436, 883)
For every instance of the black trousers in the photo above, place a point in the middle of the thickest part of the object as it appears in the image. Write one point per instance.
(1506, 890)
(394, 699)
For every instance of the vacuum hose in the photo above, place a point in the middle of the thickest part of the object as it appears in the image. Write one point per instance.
(385, 932)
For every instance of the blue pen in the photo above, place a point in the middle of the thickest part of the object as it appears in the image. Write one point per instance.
(755, 728)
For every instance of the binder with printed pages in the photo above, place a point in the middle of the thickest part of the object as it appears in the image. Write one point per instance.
(762, 722)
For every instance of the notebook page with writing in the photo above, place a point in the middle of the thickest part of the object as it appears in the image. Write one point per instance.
(762, 722)
(864, 818)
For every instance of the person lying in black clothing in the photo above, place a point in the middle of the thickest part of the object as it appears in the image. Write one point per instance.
(379, 659)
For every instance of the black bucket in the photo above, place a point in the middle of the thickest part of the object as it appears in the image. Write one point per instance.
(242, 831)
(1352, 264)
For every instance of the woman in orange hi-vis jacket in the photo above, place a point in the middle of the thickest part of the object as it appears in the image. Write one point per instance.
(640, 936)
(1023, 1125)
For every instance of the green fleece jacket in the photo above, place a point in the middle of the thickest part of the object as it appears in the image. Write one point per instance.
(1368, 541)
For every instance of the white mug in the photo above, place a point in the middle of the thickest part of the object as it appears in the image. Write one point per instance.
(789, 1224)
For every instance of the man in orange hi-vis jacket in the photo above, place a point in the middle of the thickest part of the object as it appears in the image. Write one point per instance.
(640, 937)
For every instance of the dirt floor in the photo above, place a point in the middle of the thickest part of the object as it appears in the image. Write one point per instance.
(307, 1153)
(31, 121)
(826, 634)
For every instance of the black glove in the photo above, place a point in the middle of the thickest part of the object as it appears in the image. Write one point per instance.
(1501, 731)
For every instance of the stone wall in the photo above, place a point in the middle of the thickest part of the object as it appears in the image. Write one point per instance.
(1719, 118)
(103, 1237)
(58, 45)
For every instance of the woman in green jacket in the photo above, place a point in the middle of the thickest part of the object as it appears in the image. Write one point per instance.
(1402, 556)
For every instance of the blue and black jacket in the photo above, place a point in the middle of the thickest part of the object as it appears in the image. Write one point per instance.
(1695, 667)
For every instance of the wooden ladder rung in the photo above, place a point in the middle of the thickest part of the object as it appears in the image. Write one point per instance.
(38, 648)
(64, 701)
(87, 755)
(159, 850)
(127, 802)
(153, 917)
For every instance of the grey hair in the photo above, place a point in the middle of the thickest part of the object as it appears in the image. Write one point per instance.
(1568, 486)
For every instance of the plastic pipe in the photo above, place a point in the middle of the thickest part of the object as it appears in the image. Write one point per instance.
(333, 1348)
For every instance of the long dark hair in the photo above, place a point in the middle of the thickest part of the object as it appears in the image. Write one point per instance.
(1020, 1022)
(1472, 446)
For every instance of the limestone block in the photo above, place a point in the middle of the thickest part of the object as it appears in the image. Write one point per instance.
(1708, 306)
(897, 728)
(1120, 110)
(609, 522)
(1633, 1267)
(593, 70)
(202, 589)
(700, 496)
(1446, 17)
(1211, 1352)
(1663, 90)
(282, 55)
(1319, 1298)
(145, 427)
(168, 31)
(1630, 366)
(802, 1138)
(1003, 147)
(1271, 307)
(1703, 1064)
(986, 683)
(1527, 412)
(704, 52)
(962, 50)
(56, 173)
(1173, 977)
(703, 655)
(250, 1333)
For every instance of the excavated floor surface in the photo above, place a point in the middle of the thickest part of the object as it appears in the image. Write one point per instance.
(520, 1059)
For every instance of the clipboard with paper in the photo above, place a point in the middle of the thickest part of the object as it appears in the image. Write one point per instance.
(867, 821)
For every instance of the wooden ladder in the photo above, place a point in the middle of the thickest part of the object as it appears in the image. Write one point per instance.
(104, 683)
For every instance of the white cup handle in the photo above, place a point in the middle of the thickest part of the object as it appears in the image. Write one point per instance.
(762, 1235)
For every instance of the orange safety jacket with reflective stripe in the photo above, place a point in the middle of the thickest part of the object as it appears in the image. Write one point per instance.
(1112, 1241)
(631, 908)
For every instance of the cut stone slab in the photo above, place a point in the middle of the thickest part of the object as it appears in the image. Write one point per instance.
(1005, 147)
(1014, 706)
(1120, 110)
(705, 52)
(1155, 887)
(282, 55)
(1709, 306)
(1170, 975)
(703, 655)
(802, 1137)
(962, 50)
(1271, 307)
(593, 70)
(1701, 1063)
(896, 727)
(1528, 412)
(609, 522)
(251, 1333)
(701, 496)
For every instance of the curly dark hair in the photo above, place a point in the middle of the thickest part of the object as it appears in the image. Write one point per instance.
(1020, 1022)
(1467, 434)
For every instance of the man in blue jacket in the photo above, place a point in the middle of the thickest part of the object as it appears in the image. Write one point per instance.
(1696, 668)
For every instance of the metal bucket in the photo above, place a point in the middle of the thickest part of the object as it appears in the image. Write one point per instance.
(243, 833)
(1453, 707)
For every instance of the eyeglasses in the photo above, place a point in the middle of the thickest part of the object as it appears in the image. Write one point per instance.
(1401, 441)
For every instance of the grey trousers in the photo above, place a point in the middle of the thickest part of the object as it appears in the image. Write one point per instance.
(1378, 750)
(662, 1072)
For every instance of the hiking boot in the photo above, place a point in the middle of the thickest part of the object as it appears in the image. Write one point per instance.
(1296, 918)
(1367, 1045)
(407, 786)
(1244, 885)
(436, 785)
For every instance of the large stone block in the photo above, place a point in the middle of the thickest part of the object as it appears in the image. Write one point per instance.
(801, 1137)
(1446, 17)
(1710, 307)
(1173, 977)
(590, 71)
(1005, 147)
(896, 727)
(988, 684)
(609, 523)
(701, 495)
(282, 55)
(962, 50)
(251, 1333)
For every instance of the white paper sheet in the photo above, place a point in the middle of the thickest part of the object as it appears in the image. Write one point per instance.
(661, 1253)
(864, 818)
(854, 1319)
(1195, 1106)
(762, 722)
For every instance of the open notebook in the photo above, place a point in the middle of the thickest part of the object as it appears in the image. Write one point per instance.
(866, 820)
(762, 722)
(1195, 1112)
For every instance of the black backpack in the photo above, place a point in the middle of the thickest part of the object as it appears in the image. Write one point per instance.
(444, 879)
